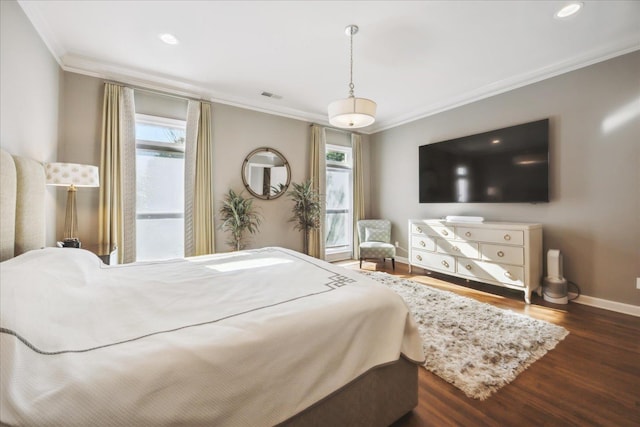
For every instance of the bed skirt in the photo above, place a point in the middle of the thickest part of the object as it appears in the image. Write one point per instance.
(376, 398)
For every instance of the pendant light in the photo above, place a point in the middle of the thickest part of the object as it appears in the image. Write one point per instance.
(352, 112)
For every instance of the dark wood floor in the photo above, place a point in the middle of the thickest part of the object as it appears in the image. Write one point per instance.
(591, 378)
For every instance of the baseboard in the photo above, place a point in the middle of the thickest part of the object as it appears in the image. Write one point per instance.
(620, 307)
(402, 259)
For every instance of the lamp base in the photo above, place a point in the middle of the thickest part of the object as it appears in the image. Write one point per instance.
(71, 243)
(71, 216)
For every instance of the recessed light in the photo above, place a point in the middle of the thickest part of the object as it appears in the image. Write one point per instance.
(168, 38)
(569, 10)
(495, 141)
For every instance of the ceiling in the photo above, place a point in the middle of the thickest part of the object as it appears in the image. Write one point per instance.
(413, 58)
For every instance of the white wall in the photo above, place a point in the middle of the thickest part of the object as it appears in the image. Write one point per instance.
(80, 133)
(30, 81)
(236, 132)
(593, 216)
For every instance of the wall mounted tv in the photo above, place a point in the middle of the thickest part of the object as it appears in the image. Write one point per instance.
(507, 165)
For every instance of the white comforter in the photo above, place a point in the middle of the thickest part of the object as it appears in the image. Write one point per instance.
(249, 338)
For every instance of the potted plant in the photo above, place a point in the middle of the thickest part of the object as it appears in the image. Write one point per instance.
(306, 209)
(238, 215)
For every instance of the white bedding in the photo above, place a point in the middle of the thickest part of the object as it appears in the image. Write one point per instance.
(249, 338)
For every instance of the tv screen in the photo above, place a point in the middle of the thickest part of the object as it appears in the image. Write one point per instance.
(507, 165)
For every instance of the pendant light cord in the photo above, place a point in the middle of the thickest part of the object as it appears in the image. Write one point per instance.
(351, 85)
(351, 112)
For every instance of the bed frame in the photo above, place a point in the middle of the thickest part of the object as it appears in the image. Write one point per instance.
(377, 398)
(22, 215)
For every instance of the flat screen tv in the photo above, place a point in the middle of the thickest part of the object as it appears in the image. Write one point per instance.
(509, 165)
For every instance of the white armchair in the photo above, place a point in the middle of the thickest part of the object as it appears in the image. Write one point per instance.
(375, 240)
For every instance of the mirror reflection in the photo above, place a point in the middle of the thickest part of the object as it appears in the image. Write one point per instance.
(266, 173)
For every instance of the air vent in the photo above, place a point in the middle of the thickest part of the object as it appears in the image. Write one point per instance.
(271, 95)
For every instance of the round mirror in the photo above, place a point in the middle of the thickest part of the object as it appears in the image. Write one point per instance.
(266, 173)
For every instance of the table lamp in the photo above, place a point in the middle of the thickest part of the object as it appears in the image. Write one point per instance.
(72, 175)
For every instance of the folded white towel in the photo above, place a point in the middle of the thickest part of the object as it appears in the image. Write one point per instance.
(457, 218)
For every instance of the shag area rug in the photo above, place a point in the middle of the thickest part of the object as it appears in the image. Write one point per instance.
(475, 346)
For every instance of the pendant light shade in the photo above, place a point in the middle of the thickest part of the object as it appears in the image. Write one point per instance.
(352, 112)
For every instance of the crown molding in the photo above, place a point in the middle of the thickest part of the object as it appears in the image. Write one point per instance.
(42, 28)
(150, 81)
(144, 79)
(515, 82)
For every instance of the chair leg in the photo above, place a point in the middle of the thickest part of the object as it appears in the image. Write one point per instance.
(360, 262)
(393, 263)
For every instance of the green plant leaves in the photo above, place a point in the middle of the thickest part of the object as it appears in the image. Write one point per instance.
(238, 216)
(306, 206)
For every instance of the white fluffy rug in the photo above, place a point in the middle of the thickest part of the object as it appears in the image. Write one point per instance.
(474, 346)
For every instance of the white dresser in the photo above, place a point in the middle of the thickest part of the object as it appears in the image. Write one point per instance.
(500, 253)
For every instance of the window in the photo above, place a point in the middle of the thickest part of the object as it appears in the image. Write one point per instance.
(159, 187)
(339, 196)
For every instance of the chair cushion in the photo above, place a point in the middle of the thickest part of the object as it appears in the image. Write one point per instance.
(372, 234)
(377, 250)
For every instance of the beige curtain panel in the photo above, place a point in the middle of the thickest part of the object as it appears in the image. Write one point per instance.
(116, 216)
(358, 190)
(198, 210)
(203, 210)
(190, 148)
(318, 178)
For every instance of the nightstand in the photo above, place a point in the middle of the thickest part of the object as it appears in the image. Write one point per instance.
(108, 255)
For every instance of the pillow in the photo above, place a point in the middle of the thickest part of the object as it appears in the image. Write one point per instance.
(375, 235)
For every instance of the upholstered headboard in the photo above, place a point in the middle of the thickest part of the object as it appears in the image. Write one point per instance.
(22, 213)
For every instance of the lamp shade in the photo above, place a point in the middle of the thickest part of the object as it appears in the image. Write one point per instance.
(352, 112)
(71, 175)
(66, 174)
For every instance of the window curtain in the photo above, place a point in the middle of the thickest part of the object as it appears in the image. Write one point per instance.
(318, 183)
(358, 190)
(198, 192)
(116, 216)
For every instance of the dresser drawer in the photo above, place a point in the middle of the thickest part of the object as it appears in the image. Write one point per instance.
(426, 243)
(420, 257)
(481, 271)
(433, 230)
(510, 237)
(502, 253)
(434, 261)
(420, 229)
(443, 231)
(507, 254)
(457, 248)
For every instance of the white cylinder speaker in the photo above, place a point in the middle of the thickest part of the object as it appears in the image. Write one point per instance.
(555, 290)
(554, 286)
(554, 264)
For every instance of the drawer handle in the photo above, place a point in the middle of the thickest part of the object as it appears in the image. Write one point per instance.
(445, 263)
(500, 254)
(508, 274)
(419, 230)
(455, 248)
(468, 234)
(418, 257)
(445, 233)
(507, 237)
(468, 266)
(422, 243)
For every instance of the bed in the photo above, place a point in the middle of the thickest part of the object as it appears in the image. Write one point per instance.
(261, 337)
